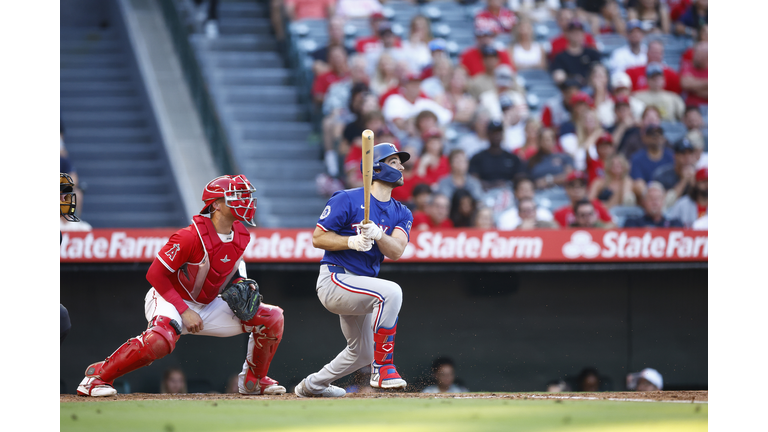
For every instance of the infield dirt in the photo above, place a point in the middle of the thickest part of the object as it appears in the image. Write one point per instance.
(657, 396)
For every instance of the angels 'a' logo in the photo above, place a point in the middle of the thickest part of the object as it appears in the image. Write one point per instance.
(172, 251)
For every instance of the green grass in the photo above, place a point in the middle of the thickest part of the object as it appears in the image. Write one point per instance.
(390, 415)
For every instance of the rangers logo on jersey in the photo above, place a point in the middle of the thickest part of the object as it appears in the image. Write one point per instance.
(172, 251)
(326, 212)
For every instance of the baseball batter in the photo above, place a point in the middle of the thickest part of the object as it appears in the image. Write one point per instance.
(348, 286)
(187, 276)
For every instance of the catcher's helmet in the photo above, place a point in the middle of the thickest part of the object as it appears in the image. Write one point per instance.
(67, 198)
(238, 194)
(386, 173)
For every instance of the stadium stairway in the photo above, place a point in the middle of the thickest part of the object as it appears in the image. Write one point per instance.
(263, 112)
(110, 130)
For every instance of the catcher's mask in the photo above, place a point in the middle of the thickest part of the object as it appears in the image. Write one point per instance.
(67, 198)
(238, 194)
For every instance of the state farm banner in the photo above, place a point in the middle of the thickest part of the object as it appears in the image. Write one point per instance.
(446, 245)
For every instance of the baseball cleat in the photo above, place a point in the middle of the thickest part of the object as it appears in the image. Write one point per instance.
(386, 377)
(91, 386)
(265, 386)
(331, 391)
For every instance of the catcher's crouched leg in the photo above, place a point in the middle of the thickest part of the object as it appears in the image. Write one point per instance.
(266, 329)
(154, 343)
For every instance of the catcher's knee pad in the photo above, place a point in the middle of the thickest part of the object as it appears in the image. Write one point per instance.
(268, 320)
(156, 342)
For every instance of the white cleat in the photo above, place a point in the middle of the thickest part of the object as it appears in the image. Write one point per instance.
(274, 390)
(94, 387)
(331, 391)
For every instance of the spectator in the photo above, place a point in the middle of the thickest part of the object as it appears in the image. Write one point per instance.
(677, 8)
(693, 206)
(634, 134)
(694, 77)
(578, 105)
(670, 104)
(588, 380)
(339, 69)
(601, 94)
(577, 58)
(549, 167)
(368, 117)
(576, 144)
(436, 84)
(444, 375)
(415, 49)
(564, 18)
(585, 215)
(472, 59)
(502, 94)
(401, 108)
(536, 10)
(457, 97)
(208, 14)
(385, 77)
(702, 35)
(679, 176)
(485, 80)
(609, 20)
(531, 144)
(635, 53)
(615, 188)
(655, 53)
(352, 175)
(652, 14)
(694, 123)
(510, 219)
(463, 208)
(459, 177)
(495, 17)
(432, 164)
(484, 219)
(693, 18)
(298, 10)
(420, 197)
(389, 44)
(352, 9)
(557, 110)
(438, 48)
(474, 142)
(425, 121)
(525, 51)
(373, 42)
(335, 38)
(576, 189)
(653, 204)
(513, 118)
(621, 84)
(436, 214)
(493, 166)
(647, 379)
(404, 193)
(526, 209)
(655, 154)
(173, 381)
(598, 155)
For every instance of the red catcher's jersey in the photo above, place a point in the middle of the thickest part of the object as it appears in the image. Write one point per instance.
(200, 262)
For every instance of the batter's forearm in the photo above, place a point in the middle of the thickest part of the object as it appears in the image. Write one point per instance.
(391, 247)
(329, 240)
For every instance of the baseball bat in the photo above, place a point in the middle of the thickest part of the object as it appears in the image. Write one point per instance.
(367, 171)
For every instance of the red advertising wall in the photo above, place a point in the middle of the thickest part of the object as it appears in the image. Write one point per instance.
(448, 245)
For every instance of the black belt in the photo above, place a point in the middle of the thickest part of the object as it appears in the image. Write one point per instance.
(335, 269)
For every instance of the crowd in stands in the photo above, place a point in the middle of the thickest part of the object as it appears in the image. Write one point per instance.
(597, 154)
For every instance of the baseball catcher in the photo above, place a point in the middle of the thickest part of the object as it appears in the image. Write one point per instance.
(199, 286)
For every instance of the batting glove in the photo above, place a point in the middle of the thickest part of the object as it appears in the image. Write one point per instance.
(371, 230)
(360, 243)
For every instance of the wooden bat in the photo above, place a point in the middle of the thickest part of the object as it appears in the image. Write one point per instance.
(367, 171)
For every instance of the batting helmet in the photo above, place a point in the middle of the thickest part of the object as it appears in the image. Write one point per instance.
(386, 173)
(67, 198)
(238, 194)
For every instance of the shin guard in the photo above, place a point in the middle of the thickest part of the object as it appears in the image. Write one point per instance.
(266, 330)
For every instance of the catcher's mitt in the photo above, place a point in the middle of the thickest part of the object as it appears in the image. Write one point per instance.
(243, 300)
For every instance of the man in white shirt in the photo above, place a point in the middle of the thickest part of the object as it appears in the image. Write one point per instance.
(510, 219)
(401, 107)
(634, 53)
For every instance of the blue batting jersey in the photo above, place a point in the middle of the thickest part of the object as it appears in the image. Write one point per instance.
(345, 211)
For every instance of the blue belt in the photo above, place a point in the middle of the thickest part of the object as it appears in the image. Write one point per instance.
(335, 269)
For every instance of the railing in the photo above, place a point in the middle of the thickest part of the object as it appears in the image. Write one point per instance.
(209, 116)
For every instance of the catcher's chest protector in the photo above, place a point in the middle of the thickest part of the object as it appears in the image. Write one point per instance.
(203, 282)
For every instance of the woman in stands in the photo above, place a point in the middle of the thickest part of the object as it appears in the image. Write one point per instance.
(415, 49)
(385, 76)
(601, 95)
(526, 53)
(531, 144)
(615, 189)
(463, 208)
(458, 99)
(652, 13)
(588, 130)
